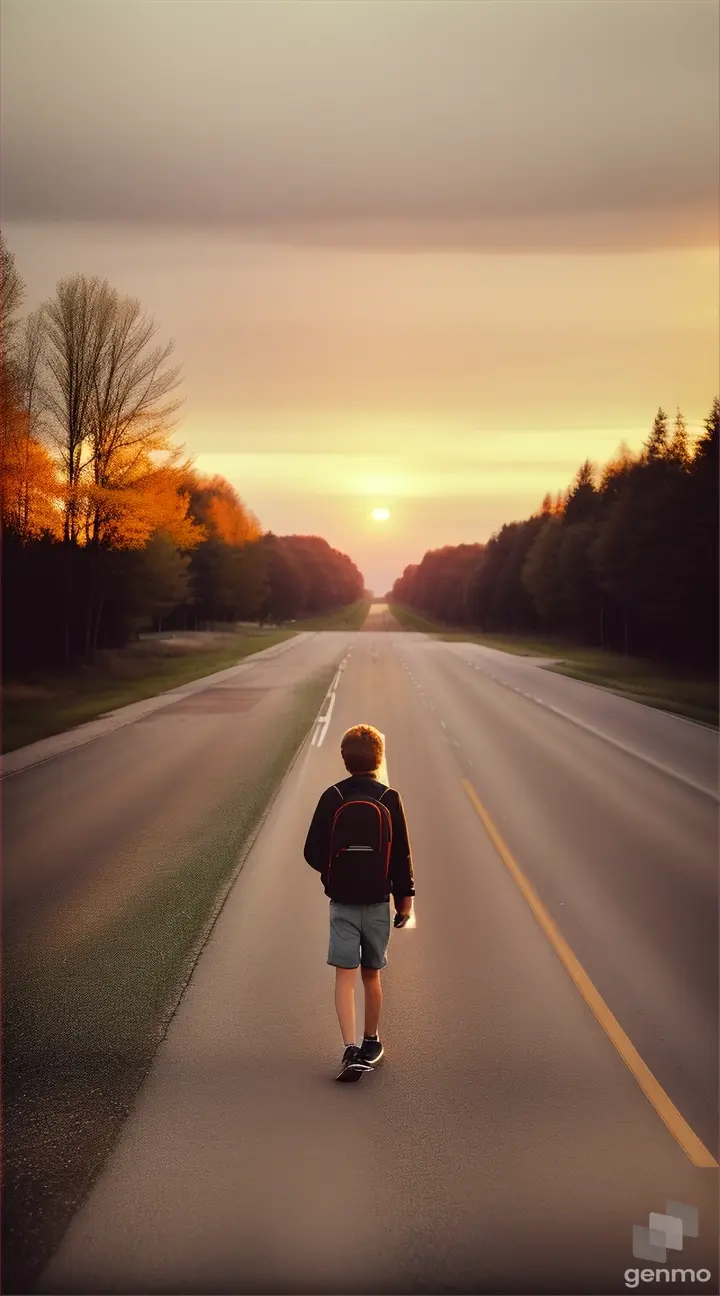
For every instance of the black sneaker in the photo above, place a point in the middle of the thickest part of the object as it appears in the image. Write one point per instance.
(353, 1064)
(371, 1049)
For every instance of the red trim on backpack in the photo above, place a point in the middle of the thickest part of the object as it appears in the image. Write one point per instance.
(376, 805)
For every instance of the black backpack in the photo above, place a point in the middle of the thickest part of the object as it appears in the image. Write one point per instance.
(359, 858)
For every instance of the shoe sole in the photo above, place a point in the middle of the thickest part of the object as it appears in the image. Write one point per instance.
(352, 1073)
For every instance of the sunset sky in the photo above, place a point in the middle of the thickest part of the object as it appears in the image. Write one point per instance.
(424, 255)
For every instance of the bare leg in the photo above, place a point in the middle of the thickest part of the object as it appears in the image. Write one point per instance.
(345, 1003)
(373, 999)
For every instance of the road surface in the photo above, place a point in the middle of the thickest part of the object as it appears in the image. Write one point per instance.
(505, 1145)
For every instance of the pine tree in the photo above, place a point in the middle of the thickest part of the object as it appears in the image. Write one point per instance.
(706, 451)
(678, 449)
(656, 446)
(582, 496)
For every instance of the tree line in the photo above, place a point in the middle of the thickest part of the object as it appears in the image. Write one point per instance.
(107, 527)
(626, 558)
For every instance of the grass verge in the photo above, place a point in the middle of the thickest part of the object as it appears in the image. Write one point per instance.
(81, 1027)
(630, 677)
(45, 703)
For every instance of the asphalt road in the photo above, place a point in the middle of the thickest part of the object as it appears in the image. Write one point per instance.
(120, 795)
(504, 1145)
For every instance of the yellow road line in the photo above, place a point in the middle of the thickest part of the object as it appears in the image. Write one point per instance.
(666, 1109)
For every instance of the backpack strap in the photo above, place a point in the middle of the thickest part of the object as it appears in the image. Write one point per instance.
(337, 789)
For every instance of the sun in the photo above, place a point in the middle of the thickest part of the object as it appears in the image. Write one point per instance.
(381, 514)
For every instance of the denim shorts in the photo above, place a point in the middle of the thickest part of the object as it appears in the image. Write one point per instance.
(359, 934)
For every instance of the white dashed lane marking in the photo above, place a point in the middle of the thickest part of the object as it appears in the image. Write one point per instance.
(598, 733)
(322, 723)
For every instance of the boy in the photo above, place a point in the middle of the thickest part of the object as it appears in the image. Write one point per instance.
(363, 857)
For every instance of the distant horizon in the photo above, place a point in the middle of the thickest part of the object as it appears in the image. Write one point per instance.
(438, 298)
(446, 480)
(456, 532)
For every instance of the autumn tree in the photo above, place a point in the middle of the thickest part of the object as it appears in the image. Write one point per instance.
(109, 397)
(227, 577)
(29, 483)
(88, 461)
(40, 478)
(305, 575)
(73, 342)
(286, 585)
(331, 580)
(216, 506)
(403, 588)
(28, 477)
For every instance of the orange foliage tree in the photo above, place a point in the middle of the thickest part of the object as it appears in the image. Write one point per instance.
(137, 500)
(215, 504)
(29, 483)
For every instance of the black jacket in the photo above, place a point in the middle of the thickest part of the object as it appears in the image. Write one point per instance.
(317, 844)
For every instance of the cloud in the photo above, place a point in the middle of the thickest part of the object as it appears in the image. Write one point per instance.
(501, 126)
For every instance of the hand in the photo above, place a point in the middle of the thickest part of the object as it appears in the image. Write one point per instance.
(403, 911)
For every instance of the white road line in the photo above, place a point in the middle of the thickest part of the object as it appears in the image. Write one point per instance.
(604, 688)
(627, 697)
(612, 742)
(324, 722)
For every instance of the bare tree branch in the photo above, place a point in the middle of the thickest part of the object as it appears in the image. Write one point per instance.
(108, 392)
(12, 292)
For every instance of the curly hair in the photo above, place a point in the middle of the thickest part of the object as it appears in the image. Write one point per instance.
(362, 749)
